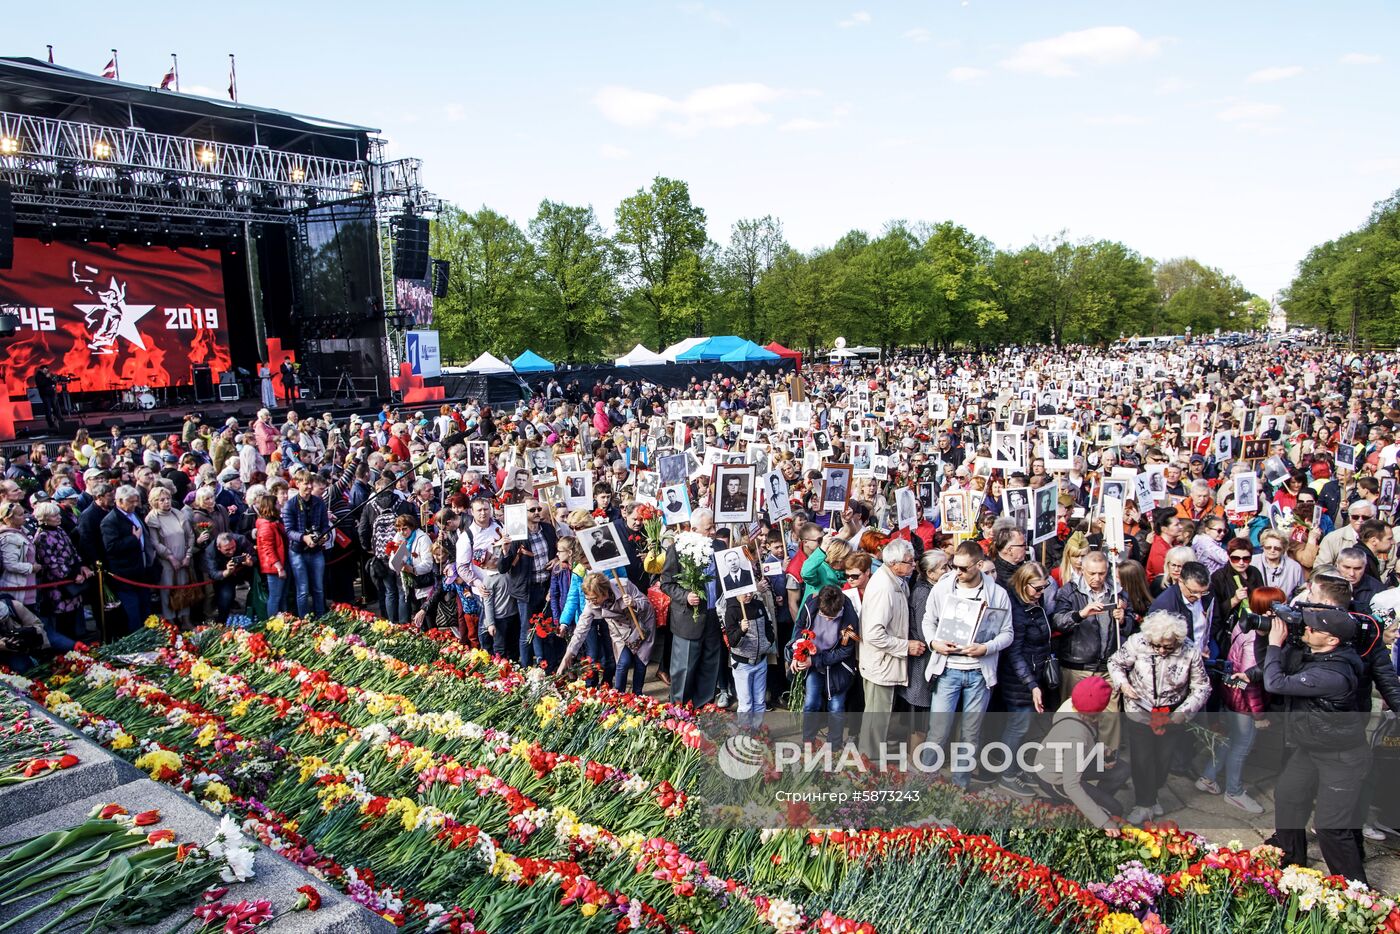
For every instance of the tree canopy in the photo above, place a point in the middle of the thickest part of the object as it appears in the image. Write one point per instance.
(572, 290)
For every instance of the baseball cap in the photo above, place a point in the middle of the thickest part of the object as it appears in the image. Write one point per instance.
(1337, 622)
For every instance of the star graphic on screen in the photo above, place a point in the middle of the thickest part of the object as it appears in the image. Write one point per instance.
(131, 314)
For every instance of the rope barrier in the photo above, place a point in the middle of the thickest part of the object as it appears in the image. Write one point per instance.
(45, 586)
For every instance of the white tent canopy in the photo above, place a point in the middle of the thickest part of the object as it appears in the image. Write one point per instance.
(487, 364)
(671, 353)
(841, 352)
(639, 356)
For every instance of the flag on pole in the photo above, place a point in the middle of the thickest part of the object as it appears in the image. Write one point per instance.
(50, 55)
(111, 70)
(172, 77)
(232, 79)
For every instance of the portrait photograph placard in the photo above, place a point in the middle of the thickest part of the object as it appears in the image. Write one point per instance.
(736, 576)
(734, 493)
(647, 486)
(1046, 502)
(478, 456)
(776, 496)
(578, 488)
(675, 504)
(516, 522)
(836, 486)
(672, 469)
(956, 510)
(1246, 492)
(602, 547)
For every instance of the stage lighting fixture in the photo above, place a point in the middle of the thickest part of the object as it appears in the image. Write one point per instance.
(125, 183)
(298, 174)
(101, 220)
(84, 235)
(8, 145)
(356, 187)
(201, 234)
(172, 186)
(311, 197)
(102, 149)
(68, 176)
(46, 236)
(230, 190)
(50, 217)
(114, 238)
(269, 196)
(206, 156)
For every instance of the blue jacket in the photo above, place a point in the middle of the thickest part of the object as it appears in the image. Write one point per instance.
(1019, 666)
(302, 515)
(565, 596)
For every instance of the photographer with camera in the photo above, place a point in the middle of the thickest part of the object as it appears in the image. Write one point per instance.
(227, 565)
(1327, 731)
(308, 525)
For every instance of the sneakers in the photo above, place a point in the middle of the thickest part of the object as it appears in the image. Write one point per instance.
(1017, 786)
(723, 701)
(1372, 833)
(1247, 804)
(1208, 786)
(1157, 809)
(1139, 815)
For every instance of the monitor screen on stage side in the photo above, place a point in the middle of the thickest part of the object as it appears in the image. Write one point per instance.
(136, 316)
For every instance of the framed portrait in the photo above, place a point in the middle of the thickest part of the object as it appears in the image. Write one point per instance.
(647, 486)
(1008, 450)
(928, 498)
(577, 488)
(757, 455)
(776, 496)
(836, 486)
(1059, 449)
(906, 508)
(880, 466)
(478, 456)
(1046, 522)
(568, 461)
(515, 525)
(540, 462)
(938, 407)
(602, 547)
(1346, 456)
(957, 511)
(1224, 446)
(1117, 488)
(549, 493)
(672, 469)
(1017, 420)
(863, 458)
(1255, 449)
(748, 428)
(821, 440)
(1387, 497)
(1016, 504)
(736, 576)
(1105, 434)
(1246, 492)
(734, 493)
(674, 504)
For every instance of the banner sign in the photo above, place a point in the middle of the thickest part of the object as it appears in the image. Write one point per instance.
(113, 319)
(423, 354)
(415, 296)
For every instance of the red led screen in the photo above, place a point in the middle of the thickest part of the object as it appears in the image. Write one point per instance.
(138, 316)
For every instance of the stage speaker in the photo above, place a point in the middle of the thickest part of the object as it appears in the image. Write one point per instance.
(7, 226)
(203, 382)
(411, 248)
(441, 269)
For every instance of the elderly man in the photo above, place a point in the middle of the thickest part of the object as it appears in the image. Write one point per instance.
(1346, 536)
(964, 672)
(131, 555)
(885, 646)
(1201, 504)
(696, 638)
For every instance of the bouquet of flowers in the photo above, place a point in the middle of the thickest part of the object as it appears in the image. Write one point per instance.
(695, 552)
(652, 529)
(802, 651)
(544, 624)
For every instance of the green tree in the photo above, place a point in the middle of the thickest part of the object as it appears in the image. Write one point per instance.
(754, 246)
(962, 301)
(489, 289)
(576, 287)
(662, 235)
(1200, 297)
(882, 287)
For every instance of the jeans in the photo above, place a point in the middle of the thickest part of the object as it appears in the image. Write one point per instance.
(750, 683)
(309, 570)
(1018, 723)
(1240, 730)
(599, 649)
(638, 668)
(958, 688)
(507, 636)
(816, 701)
(391, 597)
(57, 640)
(276, 593)
(225, 596)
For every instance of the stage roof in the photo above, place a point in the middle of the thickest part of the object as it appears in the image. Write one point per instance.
(33, 87)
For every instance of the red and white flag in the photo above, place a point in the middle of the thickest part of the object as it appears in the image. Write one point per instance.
(111, 70)
(168, 80)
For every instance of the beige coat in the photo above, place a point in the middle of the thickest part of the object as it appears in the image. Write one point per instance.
(884, 630)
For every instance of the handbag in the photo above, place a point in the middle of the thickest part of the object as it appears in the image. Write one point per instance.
(1050, 673)
(661, 603)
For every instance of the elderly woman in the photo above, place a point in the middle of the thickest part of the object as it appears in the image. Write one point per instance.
(1176, 559)
(631, 624)
(56, 559)
(173, 535)
(265, 435)
(17, 565)
(1164, 684)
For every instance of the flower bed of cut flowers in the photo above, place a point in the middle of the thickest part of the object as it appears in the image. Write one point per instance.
(442, 788)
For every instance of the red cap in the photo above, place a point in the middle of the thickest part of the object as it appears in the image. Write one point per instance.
(1091, 695)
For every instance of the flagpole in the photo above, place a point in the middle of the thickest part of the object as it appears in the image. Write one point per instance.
(116, 65)
(50, 55)
(175, 60)
(232, 78)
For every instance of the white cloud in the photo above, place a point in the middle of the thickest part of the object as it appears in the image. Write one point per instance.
(719, 106)
(858, 18)
(1102, 45)
(1116, 120)
(804, 124)
(918, 34)
(964, 73)
(1172, 85)
(1251, 115)
(1360, 58)
(609, 151)
(1277, 73)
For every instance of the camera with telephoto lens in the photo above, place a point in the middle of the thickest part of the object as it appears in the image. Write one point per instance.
(1304, 615)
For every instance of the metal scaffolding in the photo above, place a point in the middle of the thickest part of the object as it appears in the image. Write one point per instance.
(62, 165)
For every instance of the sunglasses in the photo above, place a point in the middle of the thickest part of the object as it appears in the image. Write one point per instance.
(963, 567)
(1239, 558)
(1037, 588)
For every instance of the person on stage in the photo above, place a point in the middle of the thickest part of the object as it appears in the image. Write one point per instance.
(269, 395)
(289, 379)
(45, 383)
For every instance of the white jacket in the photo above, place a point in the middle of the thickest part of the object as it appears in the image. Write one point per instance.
(994, 631)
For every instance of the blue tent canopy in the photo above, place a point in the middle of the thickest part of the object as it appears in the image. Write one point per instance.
(748, 352)
(531, 362)
(713, 349)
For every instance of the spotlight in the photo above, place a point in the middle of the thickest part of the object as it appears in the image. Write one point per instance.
(102, 149)
(269, 196)
(125, 183)
(298, 174)
(172, 187)
(8, 145)
(101, 220)
(356, 187)
(114, 238)
(68, 176)
(84, 235)
(230, 190)
(201, 234)
(206, 156)
(46, 236)
(50, 218)
(311, 197)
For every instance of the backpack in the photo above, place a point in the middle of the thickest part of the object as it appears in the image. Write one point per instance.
(382, 532)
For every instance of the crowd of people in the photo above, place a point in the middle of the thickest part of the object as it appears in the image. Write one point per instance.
(942, 535)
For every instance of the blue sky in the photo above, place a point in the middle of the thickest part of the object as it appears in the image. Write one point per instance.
(1238, 133)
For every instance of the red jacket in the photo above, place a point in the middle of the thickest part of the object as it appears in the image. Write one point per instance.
(272, 545)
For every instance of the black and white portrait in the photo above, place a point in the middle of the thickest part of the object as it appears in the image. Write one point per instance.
(578, 489)
(862, 456)
(906, 508)
(602, 546)
(836, 486)
(516, 523)
(1006, 450)
(1016, 504)
(957, 515)
(734, 493)
(1059, 449)
(821, 440)
(478, 456)
(1246, 492)
(647, 486)
(540, 462)
(776, 496)
(1047, 500)
(673, 469)
(928, 499)
(675, 504)
(736, 575)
